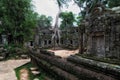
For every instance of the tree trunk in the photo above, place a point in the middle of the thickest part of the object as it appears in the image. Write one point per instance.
(56, 34)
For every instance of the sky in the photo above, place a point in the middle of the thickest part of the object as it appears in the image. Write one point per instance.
(50, 8)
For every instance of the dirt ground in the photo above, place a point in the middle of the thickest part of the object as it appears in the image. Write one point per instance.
(24, 74)
(7, 68)
(64, 53)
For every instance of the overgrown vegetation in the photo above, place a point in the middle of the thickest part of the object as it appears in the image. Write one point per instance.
(44, 21)
(31, 76)
(68, 18)
(15, 51)
(17, 20)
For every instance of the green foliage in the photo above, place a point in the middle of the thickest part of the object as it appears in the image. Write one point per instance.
(113, 3)
(62, 2)
(14, 51)
(44, 21)
(27, 66)
(18, 19)
(87, 6)
(84, 4)
(68, 19)
(79, 20)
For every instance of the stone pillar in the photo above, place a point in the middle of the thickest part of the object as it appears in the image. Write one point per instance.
(73, 43)
(47, 43)
(107, 45)
(4, 39)
(42, 43)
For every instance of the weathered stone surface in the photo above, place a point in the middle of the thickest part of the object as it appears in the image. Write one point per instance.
(69, 38)
(24, 56)
(107, 68)
(54, 71)
(36, 79)
(33, 68)
(102, 35)
(79, 72)
(35, 72)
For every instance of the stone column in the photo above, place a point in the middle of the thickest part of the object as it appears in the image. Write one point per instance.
(42, 43)
(4, 39)
(47, 43)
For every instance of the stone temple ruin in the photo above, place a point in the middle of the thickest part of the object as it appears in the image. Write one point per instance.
(45, 37)
(102, 34)
(69, 38)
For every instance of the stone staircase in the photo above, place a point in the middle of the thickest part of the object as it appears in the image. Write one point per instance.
(35, 71)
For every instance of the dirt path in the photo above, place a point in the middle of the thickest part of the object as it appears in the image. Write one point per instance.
(24, 74)
(64, 53)
(7, 68)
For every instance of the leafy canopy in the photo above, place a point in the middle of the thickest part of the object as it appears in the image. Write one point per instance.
(62, 2)
(18, 19)
(113, 3)
(44, 21)
(68, 19)
(85, 4)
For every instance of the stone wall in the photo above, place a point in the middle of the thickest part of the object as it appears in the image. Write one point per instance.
(69, 38)
(45, 38)
(103, 35)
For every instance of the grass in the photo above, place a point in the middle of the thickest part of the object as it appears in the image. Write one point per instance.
(31, 76)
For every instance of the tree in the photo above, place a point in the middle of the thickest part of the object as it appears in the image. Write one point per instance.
(113, 3)
(44, 21)
(87, 6)
(18, 20)
(56, 31)
(68, 19)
